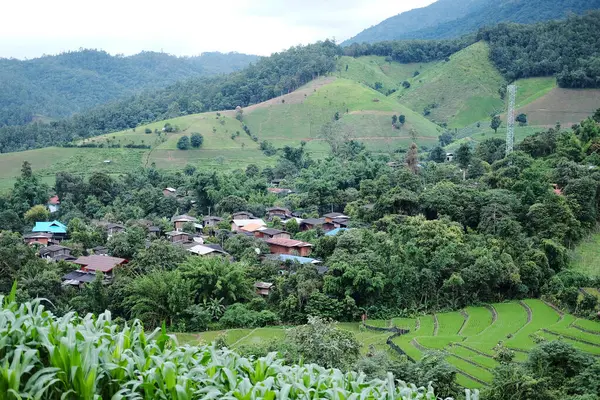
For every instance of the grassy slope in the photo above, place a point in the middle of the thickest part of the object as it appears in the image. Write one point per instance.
(586, 258)
(478, 334)
(465, 88)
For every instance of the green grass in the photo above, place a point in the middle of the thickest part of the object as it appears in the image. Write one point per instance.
(586, 257)
(588, 325)
(543, 316)
(511, 318)
(449, 323)
(465, 88)
(438, 342)
(479, 319)
(487, 362)
(531, 89)
(477, 372)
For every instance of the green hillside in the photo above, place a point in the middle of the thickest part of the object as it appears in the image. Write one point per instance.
(467, 337)
(286, 120)
(459, 92)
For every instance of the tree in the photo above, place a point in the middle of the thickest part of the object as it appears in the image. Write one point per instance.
(445, 139)
(159, 296)
(128, 243)
(292, 226)
(406, 84)
(37, 213)
(437, 155)
(239, 113)
(196, 140)
(521, 119)
(463, 155)
(394, 119)
(496, 122)
(402, 119)
(216, 277)
(412, 158)
(189, 170)
(183, 143)
(320, 342)
(232, 204)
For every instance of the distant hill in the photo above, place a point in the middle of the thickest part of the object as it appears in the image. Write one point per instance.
(453, 18)
(61, 85)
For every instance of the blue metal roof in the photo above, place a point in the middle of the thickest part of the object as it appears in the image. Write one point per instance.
(51, 227)
(336, 231)
(288, 257)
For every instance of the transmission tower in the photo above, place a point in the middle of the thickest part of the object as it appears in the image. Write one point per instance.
(510, 123)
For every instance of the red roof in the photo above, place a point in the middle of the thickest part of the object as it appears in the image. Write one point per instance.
(99, 263)
(287, 242)
(54, 200)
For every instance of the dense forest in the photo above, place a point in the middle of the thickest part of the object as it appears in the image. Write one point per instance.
(569, 49)
(61, 85)
(453, 18)
(424, 238)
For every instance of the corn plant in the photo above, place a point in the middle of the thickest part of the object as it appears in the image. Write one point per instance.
(91, 358)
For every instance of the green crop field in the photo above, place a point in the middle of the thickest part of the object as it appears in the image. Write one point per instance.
(470, 351)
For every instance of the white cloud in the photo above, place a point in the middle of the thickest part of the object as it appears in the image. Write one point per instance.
(34, 27)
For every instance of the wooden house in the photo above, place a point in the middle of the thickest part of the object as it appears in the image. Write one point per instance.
(180, 220)
(289, 246)
(271, 233)
(37, 238)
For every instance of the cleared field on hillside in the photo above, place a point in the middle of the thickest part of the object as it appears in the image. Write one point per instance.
(464, 90)
(467, 338)
(567, 106)
(586, 257)
(372, 69)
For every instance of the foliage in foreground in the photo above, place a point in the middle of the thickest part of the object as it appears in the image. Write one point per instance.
(42, 356)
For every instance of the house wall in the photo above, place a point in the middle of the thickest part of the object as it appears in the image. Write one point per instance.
(39, 240)
(301, 251)
(179, 225)
(282, 235)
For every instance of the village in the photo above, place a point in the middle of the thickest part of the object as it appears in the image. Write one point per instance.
(192, 234)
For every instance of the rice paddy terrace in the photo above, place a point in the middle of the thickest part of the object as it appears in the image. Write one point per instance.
(467, 337)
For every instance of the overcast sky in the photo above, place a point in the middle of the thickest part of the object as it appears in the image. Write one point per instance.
(31, 28)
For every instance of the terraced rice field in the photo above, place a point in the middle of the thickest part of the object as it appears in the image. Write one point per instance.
(467, 337)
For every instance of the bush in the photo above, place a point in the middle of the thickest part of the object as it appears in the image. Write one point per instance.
(239, 316)
(196, 140)
(147, 130)
(183, 143)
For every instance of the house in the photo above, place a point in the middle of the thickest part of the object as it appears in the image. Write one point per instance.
(207, 250)
(289, 246)
(335, 231)
(179, 237)
(57, 229)
(154, 231)
(281, 191)
(100, 251)
(270, 233)
(449, 157)
(335, 216)
(53, 204)
(112, 229)
(291, 258)
(56, 253)
(78, 278)
(211, 221)
(181, 220)
(238, 224)
(37, 238)
(312, 223)
(263, 288)
(253, 227)
(280, 212)
(243, 215)
(168, 192)
(96, 263)
(393, 164)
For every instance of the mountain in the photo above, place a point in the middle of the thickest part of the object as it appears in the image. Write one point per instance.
(452, 18)
(61, 85)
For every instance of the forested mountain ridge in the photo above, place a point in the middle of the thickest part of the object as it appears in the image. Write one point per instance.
(60, 85)
(453, 18)
(568, 49)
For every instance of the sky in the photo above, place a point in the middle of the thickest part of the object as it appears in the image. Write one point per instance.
(31, 28)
